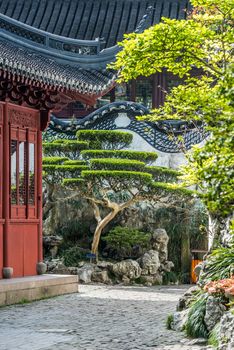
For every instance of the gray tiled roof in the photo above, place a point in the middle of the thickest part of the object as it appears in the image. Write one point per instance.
(89, 19)
(28, 64)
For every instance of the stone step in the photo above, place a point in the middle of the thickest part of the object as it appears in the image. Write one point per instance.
(24, 289)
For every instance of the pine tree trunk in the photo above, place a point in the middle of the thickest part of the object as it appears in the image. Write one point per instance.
(100, 226)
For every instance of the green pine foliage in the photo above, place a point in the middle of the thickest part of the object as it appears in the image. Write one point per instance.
(105, 139)
(163, 174)
(54, 160)
(147, 157)
(117, 164)
(117, 175)
(75, 162)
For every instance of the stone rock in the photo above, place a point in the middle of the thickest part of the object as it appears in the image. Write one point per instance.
(85, 273)
(127, 268)
(41, 268)
(199, 341)
(155, 279)
(226, 333)
(105, 265)
(61, 269)
(73, 270)
(7, 272)
(149, 263)
(214, 312)
(101, 277)
(185, 300)
(52, 264)
(159, 241)
(52, 243)
(179, 320)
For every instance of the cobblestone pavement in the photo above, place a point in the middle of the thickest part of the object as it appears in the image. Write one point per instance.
(98, 318)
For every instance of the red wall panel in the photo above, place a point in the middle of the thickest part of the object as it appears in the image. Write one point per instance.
(23, 248)
(30, 249)
(1, 248)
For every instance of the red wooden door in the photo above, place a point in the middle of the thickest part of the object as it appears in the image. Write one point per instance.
(1, 168)
(22, 223)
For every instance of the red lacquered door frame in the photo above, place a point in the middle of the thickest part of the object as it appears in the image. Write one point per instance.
(1, 190)
(22, 227)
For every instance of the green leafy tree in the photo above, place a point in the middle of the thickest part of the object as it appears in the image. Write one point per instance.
(109, 178)
(202, 44)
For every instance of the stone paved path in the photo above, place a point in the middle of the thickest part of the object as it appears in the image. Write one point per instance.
(98, 318)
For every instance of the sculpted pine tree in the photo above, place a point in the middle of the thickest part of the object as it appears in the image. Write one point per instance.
(96, 167)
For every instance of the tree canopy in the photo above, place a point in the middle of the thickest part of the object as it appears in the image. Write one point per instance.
(199, 50)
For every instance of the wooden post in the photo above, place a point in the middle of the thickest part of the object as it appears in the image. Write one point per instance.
(6, 185)
(159, 87)
(185, 251)
(44, 120)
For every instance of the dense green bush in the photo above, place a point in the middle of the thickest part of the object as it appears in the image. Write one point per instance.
(123, 176)
(135, 155)
(54, 160)
(214, 336)
(73, 255)
(74, 162)
(195, 326)
(64, 148)
(116, 164)
(162, 174)
(219, 265)
(105, 139)
(125, 242)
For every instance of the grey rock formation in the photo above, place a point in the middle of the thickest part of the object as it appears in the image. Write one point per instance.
(159, 242)
(101, 276)
(214, 312)
(149, 263)
(179, 320)
(52, 243)
(85, 273)
(127, 269)
(185, 300)
(226, 333)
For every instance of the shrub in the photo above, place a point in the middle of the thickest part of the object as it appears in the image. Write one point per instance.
(123, 241)
(169, 321)
(163, 174)
(116, 164)
(64, 148)
(214, 336)
(142, 156)
(105, 138)
(195, 326)
(170, 277)
(122, 176)
(73, 255)
(54, 160)
(219, 265)
(75, 162)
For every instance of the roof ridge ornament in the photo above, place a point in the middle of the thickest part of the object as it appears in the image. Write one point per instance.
(143, 24)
